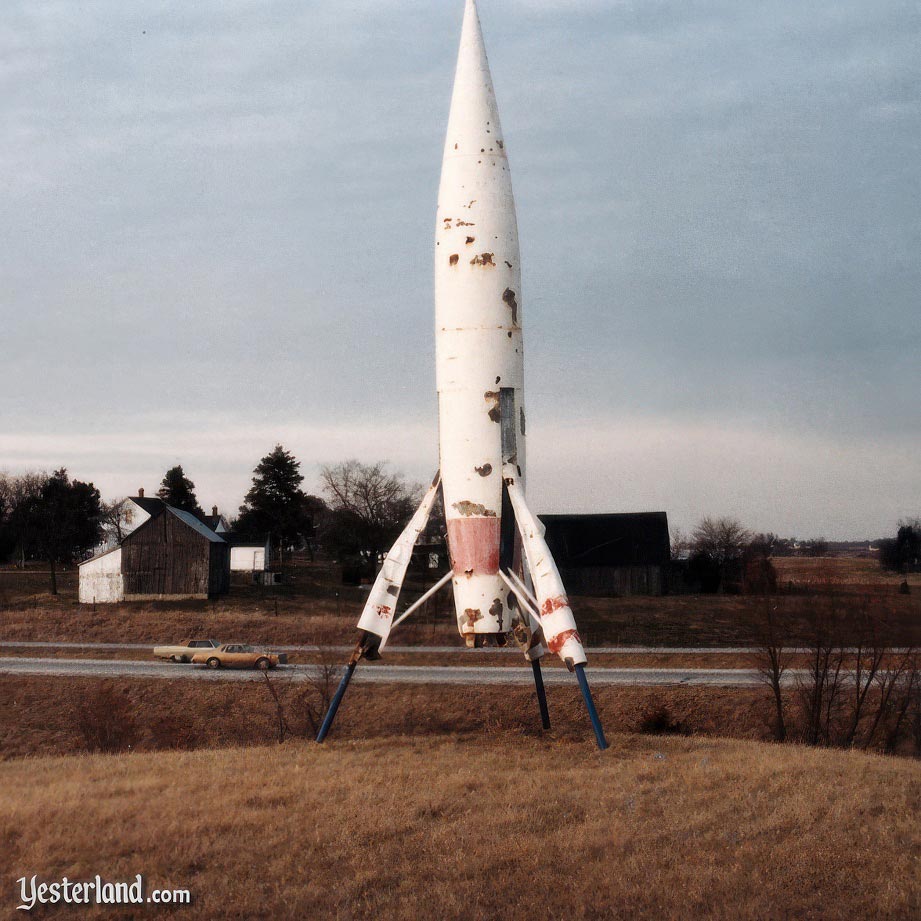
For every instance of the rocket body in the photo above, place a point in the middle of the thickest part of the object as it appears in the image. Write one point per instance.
(503, 575)
(478, 337)
(495, 543)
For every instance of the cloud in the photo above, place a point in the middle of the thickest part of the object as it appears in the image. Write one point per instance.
(226, 208)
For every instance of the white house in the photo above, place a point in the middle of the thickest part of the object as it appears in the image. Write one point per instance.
(132, 513)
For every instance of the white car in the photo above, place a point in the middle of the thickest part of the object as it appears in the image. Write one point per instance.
(185, 650)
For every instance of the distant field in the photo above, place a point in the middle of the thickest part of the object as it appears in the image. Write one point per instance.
(839, 571)
(314, 607)
(478, 829)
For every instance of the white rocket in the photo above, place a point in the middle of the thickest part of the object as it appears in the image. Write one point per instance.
(504, 579)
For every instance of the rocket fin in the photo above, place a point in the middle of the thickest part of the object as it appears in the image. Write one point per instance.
(377, 617)
(556, 619)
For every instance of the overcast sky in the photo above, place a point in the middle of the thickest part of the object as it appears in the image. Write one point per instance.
(217, 224)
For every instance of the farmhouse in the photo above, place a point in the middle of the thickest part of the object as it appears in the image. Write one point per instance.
(131, 514)
(611, 555)
(170, 556)
(215, 521)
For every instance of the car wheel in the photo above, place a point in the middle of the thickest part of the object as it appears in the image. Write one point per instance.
(263, 663)
(213, 662)
(173, 659)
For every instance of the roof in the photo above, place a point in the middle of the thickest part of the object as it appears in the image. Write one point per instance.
(212, 521)
(625, 539)
(99, 556)
(238, 540)
(151, 505)
(196, 525)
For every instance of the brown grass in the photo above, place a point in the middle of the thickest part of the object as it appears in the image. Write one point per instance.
(478, 829)
(307, 608)
(43, 715)
(859, 573)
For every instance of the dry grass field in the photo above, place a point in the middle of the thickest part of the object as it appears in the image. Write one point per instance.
(44, 715)
(314, 606)
(478, 829)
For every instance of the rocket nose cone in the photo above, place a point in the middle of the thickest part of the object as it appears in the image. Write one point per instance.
(474, 121)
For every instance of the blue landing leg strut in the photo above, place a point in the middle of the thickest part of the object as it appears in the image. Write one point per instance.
(334, 703)
(541, 693)
(590, 706)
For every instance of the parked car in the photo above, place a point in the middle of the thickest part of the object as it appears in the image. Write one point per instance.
(238, 655)
(185, 650)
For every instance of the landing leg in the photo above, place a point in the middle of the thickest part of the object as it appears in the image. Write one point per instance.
(337, 699)
(590, 706)
(541, 693)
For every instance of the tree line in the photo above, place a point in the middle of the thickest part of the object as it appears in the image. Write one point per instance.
(53, 518)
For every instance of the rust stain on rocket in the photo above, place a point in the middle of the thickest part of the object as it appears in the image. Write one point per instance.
(509, 297)
(471, 509)
(485, 470)
(483, 259)
(466, 224)
(492, 396)
(496, 610)
(471, 240)
(553, 604)
(556, 643)
(454, 259)
(472, 615)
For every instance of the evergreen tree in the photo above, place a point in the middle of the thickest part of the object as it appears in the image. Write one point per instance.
(61, 522)
(178, 491)
(275, 504)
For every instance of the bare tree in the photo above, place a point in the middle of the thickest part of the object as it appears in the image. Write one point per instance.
(869, 655)
(370, 505)
(114, 520)
(819, 692)
(723, 539)
(774, 655)
(894, 681)
(283, 727)
(681, 544)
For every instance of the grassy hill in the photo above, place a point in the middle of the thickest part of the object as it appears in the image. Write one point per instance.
(478, 828)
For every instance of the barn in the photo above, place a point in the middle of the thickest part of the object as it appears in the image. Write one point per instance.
(611, 555)
(171, 556)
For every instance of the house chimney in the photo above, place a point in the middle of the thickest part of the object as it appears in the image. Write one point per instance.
(140, 492)
(214, 510)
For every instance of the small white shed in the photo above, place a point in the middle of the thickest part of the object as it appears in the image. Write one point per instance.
(249, 556)
(101, 578)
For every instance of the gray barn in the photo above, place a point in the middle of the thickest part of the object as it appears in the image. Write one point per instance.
(611, 555)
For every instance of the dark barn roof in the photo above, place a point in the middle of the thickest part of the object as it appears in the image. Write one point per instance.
(628, 539)
(153, 507)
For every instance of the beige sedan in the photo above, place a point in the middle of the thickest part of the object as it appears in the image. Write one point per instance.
(237, 655)
(184, 651)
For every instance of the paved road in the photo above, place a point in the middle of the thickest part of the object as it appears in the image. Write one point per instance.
(385, 674)
(423, 650)
(494, 650)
